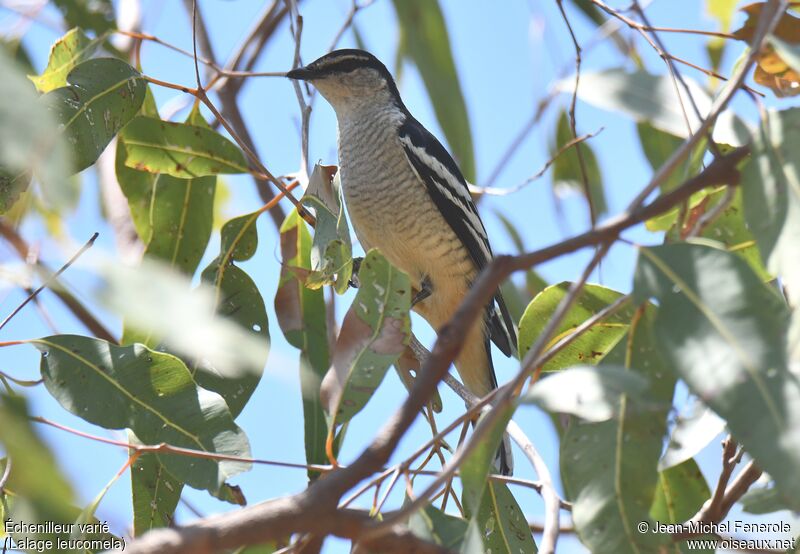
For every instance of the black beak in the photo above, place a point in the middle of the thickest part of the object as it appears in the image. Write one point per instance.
(301, 74)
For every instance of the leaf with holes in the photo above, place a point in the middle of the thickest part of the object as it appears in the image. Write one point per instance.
(67, 52)
(723, 331)
(375, 331)
(101, 97)
(331, 251)
(609, 469)
(180, 149)
(591, 346)
(151, 393)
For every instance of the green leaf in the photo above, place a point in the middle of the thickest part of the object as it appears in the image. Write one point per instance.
(764, 501)
(67, 52)
(35, 475)
(375, 331)
(152, 394)
(652, 98)
(658, 146)
(102, 95)
(95, 15)
(24, 129)
(331, 251)
(609, 468)
(433, 525)
(722, 330)
(771, 198)
(301, 315)
(137, 186)
(567, 173)
(501, 522)
(239, 301)
(592, 345)
(424, 40)
(180, 149)
(155, 494)
(590, 393)
(681, 492)
(476, 467)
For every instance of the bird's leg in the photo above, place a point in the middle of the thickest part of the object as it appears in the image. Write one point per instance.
(353, 282)
(426, 288)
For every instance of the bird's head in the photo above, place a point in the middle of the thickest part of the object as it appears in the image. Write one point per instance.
(349, 78)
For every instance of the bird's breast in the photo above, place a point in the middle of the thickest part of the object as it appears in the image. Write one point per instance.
(390, 208)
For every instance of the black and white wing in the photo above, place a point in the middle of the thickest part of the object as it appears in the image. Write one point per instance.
(448, 190)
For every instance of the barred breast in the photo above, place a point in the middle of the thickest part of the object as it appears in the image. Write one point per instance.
(389, 207)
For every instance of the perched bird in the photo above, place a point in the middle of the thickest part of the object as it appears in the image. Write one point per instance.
(406, 196)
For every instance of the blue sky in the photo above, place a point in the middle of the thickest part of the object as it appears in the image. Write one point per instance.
(507, 59)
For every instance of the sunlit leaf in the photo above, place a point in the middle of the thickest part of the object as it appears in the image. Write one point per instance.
(771, 198)
(102, 95)
(67, 52)
(693, 431)
(301, 316)
(651, 98)
(589, 348)
(590, 393)
(29, 141)
(152, 394)
(375, 331)
(681, 492)
(180, 149)
(764, 501)
(424, 40)
(331, 251)
(722, 330)
(609, 468)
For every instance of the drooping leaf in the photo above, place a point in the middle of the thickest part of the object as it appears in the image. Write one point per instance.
(101, 97)
(67, 52)
(652, 98)
(375, 331)
(301, 316)
(591, 346)
(722, 330)
(680, 493)
(424, 40)
(588, 392)
(771, 198)
(567, 168)
(29, 141)
(609, 468)
(149, 392)
(94, 15)
(693, 431)
(331, 251)
(181, 150)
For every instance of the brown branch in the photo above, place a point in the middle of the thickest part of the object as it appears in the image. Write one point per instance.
(73, 304)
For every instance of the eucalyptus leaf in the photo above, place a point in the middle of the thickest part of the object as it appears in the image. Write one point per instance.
(375, 331)
(723, 332)
(67, 52)
(149, 392)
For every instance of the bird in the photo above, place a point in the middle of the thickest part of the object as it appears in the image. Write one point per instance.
(406, 196)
